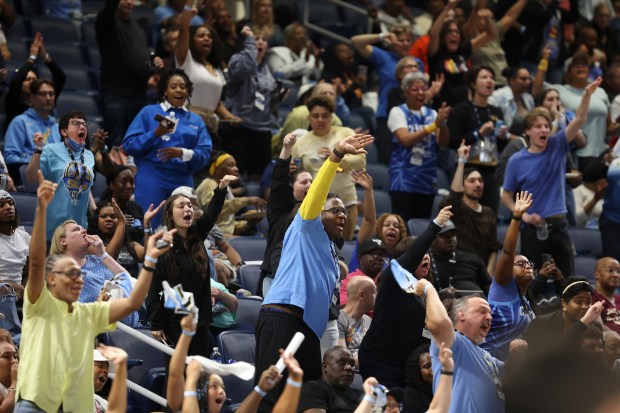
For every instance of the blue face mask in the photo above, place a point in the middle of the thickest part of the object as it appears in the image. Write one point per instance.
(73, 145)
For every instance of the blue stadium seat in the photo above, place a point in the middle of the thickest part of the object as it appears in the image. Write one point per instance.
(587, 241)
(383, 201)
(584, 266)
(248, 277)
(347, 250)
(99, 186)
(19, 51)
(20, 29)
(253, 188)
(54, 30)
(26, 205)
(442, 179)
(70, 101)
(28, 187)
(94, 58)
(247, 311)
(238, 345)
(501, 232)
(88, 33)
(380, 176)
(67, 55)
(373, 154)
(155, 381)
(236, 389)
(417, 226)
(80, 79)
(250, 249)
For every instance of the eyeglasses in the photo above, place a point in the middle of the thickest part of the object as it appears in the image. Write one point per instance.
(418, 89)
(46, 94)
(376, 253)
(338, 211)
(73, 274)
(523, 264)
(78, 123)
(613, 270)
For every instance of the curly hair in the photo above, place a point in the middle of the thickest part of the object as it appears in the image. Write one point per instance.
(413, 373)
(401, 225)
(163, 83)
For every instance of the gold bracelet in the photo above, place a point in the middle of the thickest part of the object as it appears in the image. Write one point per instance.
(543, 65)
(431, 128)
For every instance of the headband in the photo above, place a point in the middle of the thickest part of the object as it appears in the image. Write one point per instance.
(572, 285)
(220, 160)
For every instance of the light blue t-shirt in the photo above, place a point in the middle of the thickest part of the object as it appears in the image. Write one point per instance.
(308, 272)
(476, 387)
(71, 199)
(510, 318)
(542, 174)
(19, 138)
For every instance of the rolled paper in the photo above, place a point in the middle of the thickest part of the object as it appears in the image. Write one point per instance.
(291, 349)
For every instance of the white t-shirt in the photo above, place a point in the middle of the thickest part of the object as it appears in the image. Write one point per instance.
(101, 404)
(207, 87)
(13, 255)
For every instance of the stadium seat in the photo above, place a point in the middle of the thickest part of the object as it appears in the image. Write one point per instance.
(247, 311)
(248, 277)
(373, 154)
(155, 381)
(236, 388)
(19, 30)
(99, 186)
(54, 30)
(253, 188)
(71, 101)
(80, 79)
(380, 176)
(584, 266)
(417, 226)
(442, 179)
(138, 350)
(250, 249)
(383, 201)
(26, 205)
(347, 250)
(88, 33)
(19, 51)
(28, 187)
(94, 58)
(67, 55)
(587, 241)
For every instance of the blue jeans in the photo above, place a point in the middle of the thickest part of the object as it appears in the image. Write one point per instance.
(25, 406)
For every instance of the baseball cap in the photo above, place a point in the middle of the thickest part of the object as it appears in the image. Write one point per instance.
(448, 226)
(5, 195)
(185, 191)
(397, 393)
(370, 245)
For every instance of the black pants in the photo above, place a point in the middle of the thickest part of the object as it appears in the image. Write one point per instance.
(559, 245)
(411, 205)
(274, 330)
(251, 149)
(610, 234)
(383, 140)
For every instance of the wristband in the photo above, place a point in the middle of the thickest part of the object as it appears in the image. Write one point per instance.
(190, 393)
(426, 288)
(147, 268)
(447, 373)
(431, 128)
(148, 230)
(543, 65)
(462, 160)
(370, 399)
(104, 256)
(32, 57)
(150, 259)
(338, 153)
(259, 391)
(516, 218)
(381, 36)
(189, 333)
(293, 383)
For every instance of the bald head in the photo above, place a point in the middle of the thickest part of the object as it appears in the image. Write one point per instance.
(607, 275)
(361, 291)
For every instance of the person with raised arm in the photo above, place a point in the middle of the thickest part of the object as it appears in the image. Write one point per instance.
(300, 295)
(56, 368)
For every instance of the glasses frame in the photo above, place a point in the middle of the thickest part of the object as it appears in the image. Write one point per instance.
(338, 211)
(71, 274)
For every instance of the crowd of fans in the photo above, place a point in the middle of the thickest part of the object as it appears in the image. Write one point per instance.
(482, 115)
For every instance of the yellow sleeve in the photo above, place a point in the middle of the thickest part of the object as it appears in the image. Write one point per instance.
(315, 199)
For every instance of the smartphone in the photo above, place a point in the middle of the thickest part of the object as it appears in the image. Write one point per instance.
(160, 243)
(547, 258)
(165, 122)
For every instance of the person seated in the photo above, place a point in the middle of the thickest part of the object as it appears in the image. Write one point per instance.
(14, 250)
(592, 339)
(36, 122)
(9, 366)
(419, 380)
(224, 308)
(117, 398)
(372, 255)
(6, 182)
(332, 392)
(96, 265)
(455, 268)
(353, 321)
(611, 348)
(221, 165)
(589, 202)
(607, 276)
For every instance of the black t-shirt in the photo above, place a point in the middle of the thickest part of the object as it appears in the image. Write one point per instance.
(464, 271)
(316, 394)
(454, 67)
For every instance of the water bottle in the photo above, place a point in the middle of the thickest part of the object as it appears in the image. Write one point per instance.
(542, 232)
(216, 356)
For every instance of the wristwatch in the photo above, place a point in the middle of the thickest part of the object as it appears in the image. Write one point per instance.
(37, 150)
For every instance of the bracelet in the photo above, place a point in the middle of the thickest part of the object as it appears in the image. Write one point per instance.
(370, 399)
(260, 392)
(104, 256)
(148, 230)
(190, 393)
(189, 333)
(516, 218)
(150, 259)
(32, 57)
(293, 383)
(447, 373)
(462, 160)
(338, 153)
(148, 269)
(431, 128)
(543, 65)
(381, 36)
(426, 288)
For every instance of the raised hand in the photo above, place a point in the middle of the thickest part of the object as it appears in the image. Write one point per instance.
(369, 383)
(523, 202)
(442, 114)
(444, 215)
(289, 141)
(39, 140)
(226, 180)
(445, 358)
(591, 88)
(36, 44)
(118, 214)
(436, 85)
(100, 137)
(593, 313)
(421, 286)
(114, 354)
(97, 246)
(362, 178)
(167, 236)
(355, 144)
(247, 32)
(151, 212)
(45, 191)
(257, 201)
(294, 370)
(269, 378)
(188, 324)
(463, 150)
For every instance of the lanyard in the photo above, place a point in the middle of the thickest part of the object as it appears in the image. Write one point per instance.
(72, 157)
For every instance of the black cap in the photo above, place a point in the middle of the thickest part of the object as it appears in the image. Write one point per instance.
(370, 245)
(397, 393)
(448, 226)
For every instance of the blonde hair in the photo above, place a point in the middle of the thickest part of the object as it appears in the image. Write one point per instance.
(56, 247)
(267, 29)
